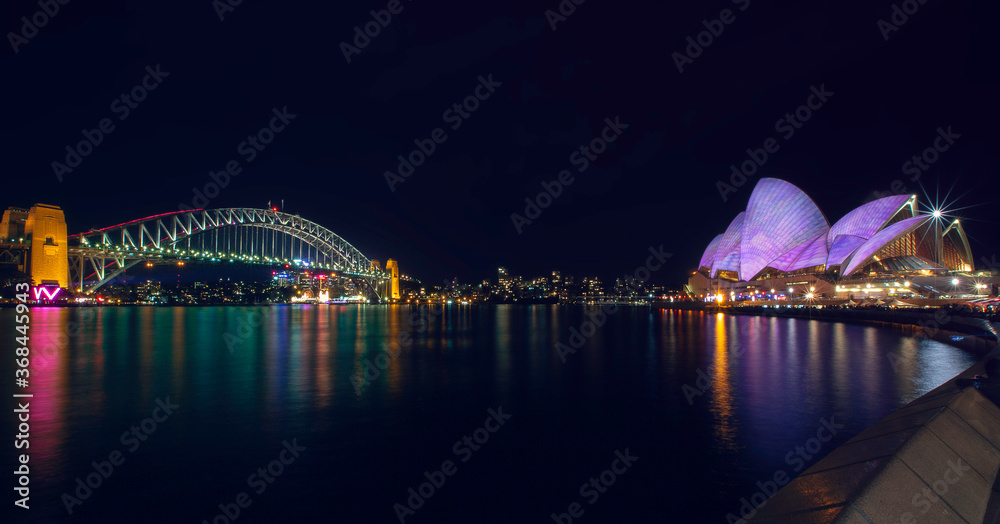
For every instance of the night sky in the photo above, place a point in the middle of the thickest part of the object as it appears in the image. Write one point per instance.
(552, 92)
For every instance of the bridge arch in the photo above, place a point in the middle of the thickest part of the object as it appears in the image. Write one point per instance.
(248, 235)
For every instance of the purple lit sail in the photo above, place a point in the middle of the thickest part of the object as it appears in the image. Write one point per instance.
(788, 259)
(880, 239)
(709, 257)
(842, 248)
(727, 256)
(779, 217)
(807, 254)
(731, 262)
(813, 255)
(866, 220)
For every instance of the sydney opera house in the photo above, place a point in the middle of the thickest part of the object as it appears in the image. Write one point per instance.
(783, 247)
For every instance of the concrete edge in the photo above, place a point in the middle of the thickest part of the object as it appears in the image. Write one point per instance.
(904, 464)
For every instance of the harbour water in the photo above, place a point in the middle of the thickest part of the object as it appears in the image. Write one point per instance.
(296, 413)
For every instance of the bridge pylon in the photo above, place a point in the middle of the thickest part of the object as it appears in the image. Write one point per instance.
(392, 267)
(42, 232)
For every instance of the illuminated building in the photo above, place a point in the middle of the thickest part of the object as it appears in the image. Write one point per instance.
(782, 244)
(48, 263)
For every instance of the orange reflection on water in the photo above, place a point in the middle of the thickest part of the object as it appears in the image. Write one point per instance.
(721, 404)
(382, 354)
(392, 346)
(145, 350)
(177, 346)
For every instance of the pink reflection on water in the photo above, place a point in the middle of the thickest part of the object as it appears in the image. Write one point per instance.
(49, 358)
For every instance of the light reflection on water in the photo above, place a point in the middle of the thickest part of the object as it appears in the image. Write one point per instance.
(289, 374)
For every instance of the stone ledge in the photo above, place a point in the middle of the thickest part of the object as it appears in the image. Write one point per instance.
(887, 474)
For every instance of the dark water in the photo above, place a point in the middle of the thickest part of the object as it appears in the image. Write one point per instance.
(768, 384)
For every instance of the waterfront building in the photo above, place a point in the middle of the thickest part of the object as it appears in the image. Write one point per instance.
(782, 246)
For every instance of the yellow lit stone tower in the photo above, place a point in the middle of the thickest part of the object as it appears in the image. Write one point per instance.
(393, 268)
(12, 225)
(49, 259)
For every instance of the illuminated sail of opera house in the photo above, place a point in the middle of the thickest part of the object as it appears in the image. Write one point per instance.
(783, 247)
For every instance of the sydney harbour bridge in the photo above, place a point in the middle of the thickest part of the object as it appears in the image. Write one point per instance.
(36, 240)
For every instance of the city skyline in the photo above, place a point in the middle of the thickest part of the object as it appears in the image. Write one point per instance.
(683, 267)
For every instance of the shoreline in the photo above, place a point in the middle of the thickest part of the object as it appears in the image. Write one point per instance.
(970, 333)
(593, 304)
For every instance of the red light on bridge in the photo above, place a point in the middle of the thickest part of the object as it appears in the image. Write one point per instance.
(274, 208)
